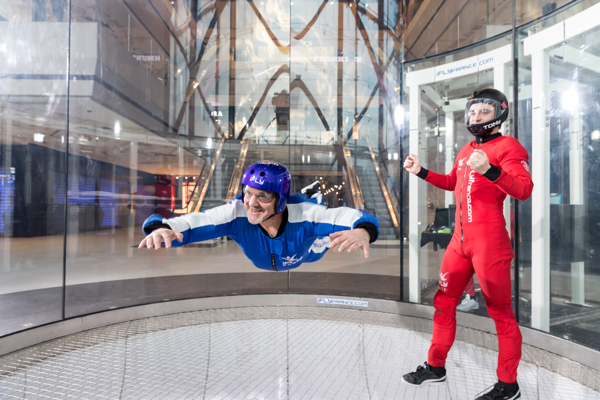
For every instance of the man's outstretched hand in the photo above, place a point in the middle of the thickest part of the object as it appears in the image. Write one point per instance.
(158, 236)
(351, 240)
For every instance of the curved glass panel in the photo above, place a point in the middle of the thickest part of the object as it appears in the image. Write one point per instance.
(558, 122)
(169, 103)
(343, 92)
(438, 26)
(176, 100)
(33, 131)
(169, 93)
(437, 94)
(527, 11)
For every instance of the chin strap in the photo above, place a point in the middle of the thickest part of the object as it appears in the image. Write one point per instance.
(269, 217)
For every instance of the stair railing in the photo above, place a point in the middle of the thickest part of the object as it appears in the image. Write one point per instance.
(390, 201)
(209, 175)
(238, 170)
(358, 200)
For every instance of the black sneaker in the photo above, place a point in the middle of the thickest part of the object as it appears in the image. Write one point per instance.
(502, 391)
(424, 376)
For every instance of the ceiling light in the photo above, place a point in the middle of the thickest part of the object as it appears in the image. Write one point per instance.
(570, 100)
(398, 114)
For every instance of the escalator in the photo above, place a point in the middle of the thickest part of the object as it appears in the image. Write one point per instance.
(374, 198)
(216, 193)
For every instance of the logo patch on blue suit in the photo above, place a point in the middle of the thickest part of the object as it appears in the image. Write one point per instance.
(320, 245)
(287, 261)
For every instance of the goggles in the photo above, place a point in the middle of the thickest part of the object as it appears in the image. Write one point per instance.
(261, 196)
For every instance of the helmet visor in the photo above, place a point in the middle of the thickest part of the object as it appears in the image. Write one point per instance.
(261, 195)
(480, 111)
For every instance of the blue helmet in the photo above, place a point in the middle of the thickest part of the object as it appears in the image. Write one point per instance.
(272, 177)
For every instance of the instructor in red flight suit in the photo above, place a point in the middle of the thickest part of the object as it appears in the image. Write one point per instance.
(484, 173)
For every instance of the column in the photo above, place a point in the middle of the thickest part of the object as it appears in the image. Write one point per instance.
(576, 198)
(540, 212)
(8, 220)
(449, 132)
(501, 80)
(133, 172)
(414, 200)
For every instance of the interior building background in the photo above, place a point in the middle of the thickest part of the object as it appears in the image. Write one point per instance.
(111, 111)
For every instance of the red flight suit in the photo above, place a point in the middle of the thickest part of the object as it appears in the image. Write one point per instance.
(481, 244)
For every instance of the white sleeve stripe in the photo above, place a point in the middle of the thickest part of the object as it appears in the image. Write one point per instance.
(309, 212)
(215, 216)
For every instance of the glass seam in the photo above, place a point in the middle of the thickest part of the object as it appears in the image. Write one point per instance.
(66, 208)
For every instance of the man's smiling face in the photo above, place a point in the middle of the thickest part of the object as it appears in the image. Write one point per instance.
(259, 204)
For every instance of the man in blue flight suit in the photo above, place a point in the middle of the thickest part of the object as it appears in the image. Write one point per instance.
(275, 231)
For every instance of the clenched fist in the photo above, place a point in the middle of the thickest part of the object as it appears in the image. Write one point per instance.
(479, 162)
(412, 164)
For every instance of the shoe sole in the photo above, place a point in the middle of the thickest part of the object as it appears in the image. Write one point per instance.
(467, 309)
(429, 382)
(515, 397)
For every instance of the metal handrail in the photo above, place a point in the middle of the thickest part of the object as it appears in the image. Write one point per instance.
(238, 170)
(390, 202)
(213, 165)
(195, 187)
(358, 200)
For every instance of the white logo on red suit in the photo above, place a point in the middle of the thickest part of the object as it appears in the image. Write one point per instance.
(443, 281)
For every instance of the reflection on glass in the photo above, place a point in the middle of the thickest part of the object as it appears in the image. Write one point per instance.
(175, 100)
(442, 26)
(169, 102)
(568, 268)
(33, 89)
(438, 92)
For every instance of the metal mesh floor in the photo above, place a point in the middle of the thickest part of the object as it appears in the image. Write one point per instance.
(257, 353)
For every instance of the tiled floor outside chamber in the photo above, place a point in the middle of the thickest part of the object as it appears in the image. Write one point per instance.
(259, 359)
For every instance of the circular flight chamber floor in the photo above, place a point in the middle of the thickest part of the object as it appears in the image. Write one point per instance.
(264, 353)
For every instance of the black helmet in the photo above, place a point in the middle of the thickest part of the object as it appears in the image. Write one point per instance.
(493, 97)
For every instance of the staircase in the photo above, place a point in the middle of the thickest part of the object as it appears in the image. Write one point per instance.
(373, 195)
(216, 194)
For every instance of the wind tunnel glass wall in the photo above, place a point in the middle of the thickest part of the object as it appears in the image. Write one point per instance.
(437, 91)
(166, 105)
(559, 99)
(345, 73)
(33, 137)
(173, 98)
(436, 27)
(169, 103)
